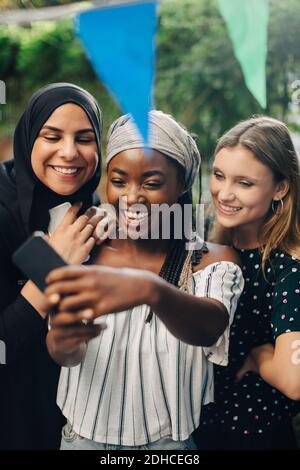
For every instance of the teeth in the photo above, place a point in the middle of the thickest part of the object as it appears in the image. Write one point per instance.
(136, 215)
(66, 171)
(229, 208)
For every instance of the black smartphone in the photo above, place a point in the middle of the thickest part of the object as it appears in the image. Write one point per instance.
(36, 258)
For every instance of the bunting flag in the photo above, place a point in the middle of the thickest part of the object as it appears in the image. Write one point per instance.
(247, 22)
(120, 43)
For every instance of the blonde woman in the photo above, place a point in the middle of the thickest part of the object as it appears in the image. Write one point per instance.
(255, 187)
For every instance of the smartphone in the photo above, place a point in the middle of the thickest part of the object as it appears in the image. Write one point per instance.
(36, 258)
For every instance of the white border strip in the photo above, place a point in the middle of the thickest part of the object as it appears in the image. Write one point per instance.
(27, 16)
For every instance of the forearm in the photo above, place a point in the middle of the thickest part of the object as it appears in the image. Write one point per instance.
(66, 359)
(35, 297)
(276, 372)
(194, 320)
(265, 365)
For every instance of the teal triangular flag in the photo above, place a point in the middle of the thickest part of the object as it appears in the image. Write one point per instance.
(247, 22)
(120, 42)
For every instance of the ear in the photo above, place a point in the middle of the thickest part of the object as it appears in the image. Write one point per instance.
(181, 189)
(282, 189)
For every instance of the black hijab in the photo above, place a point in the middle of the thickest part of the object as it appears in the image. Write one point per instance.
(25, 197)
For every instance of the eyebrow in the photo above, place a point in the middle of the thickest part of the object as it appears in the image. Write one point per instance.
(146, 174)
(215, 168)
(56, 129)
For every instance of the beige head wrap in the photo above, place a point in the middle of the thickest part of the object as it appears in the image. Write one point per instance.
(166, 136)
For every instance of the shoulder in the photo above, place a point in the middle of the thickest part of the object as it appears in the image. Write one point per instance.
(8, 193)
(287, 279)
(11, 235)
(217, 253)
(6, 216)
(285, 265)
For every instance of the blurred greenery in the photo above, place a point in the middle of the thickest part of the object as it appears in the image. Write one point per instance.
(198, 79)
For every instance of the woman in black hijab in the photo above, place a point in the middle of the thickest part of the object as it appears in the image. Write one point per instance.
(30, 418)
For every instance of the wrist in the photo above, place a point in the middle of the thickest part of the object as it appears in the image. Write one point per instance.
(35, 297)
(155, 292)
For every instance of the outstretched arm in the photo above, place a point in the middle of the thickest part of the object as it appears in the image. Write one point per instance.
(197, 320)
(99, 291)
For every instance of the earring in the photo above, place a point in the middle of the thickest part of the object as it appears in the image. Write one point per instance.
(274, 209)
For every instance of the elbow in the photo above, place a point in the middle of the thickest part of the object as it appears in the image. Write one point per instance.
(291, 389)
(218, 331)
(213, 336)
(219, 325)
(203, 340)
(211, 339)
(293, 393)
(295, 396)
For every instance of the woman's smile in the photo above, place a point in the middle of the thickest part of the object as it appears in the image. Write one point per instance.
(228, 210)
(68, 172)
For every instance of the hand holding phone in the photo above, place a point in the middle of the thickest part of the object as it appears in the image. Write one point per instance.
(36, 258)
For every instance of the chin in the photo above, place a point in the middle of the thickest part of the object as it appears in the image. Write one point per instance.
(228, 223)
(64, 191)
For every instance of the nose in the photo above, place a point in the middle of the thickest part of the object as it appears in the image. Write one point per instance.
(68, 150)
(226, 193)
(133, 195)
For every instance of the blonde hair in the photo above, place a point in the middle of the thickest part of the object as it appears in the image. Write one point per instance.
(270, 141)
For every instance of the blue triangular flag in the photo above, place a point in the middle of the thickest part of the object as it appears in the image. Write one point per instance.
(120, 42)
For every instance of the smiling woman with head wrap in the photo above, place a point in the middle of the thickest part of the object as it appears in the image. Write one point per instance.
(173, 141)
(141, 383)
(57, 159)
(166, 136)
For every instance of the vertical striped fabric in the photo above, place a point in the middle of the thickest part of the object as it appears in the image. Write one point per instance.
(139, 383)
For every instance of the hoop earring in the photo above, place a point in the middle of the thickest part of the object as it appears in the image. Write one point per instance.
(274, 209)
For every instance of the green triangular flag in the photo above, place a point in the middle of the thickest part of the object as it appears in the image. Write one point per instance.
(247, 22)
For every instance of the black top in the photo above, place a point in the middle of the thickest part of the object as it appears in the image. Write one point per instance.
(29, 416)
(266, 309)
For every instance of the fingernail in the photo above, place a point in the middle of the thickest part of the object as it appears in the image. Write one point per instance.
(54, 298)
(88, 313)
(90, 212)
